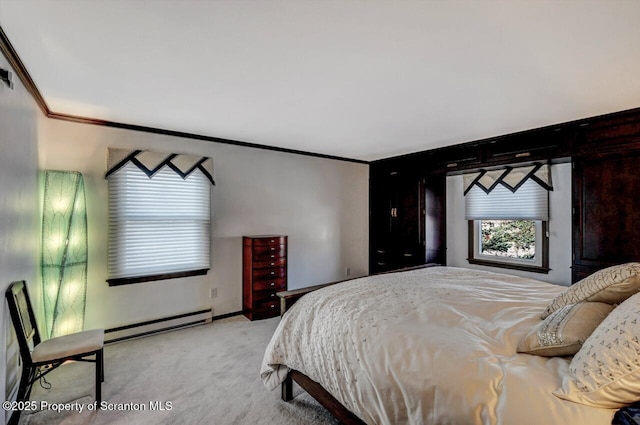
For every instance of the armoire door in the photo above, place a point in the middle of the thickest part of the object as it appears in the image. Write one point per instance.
(606, 212)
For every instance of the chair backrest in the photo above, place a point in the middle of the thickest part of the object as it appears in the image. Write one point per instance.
(23, 318)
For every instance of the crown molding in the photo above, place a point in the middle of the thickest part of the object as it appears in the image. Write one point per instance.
(21, 71)
(18, 67)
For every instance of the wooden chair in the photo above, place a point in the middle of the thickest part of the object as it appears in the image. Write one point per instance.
(41, 357)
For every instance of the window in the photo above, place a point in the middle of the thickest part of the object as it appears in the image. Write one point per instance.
(159, 219)
(515, 243)
(508, 213)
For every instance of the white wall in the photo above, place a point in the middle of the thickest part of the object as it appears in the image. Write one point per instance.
(559, 229)
(19, 228)
(321, 204)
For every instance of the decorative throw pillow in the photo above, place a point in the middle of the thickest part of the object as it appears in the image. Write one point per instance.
(563, 331)
(606, 370)
(611, 285)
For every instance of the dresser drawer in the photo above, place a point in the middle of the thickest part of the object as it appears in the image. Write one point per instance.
(269, 263)
(272, 272)
(264, 296)
(276, 240)
(261, 253)
(279, 284)
(266, 308)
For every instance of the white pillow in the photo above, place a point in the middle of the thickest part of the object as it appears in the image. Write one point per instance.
(611, 286)
(606, 370)
(565, 330)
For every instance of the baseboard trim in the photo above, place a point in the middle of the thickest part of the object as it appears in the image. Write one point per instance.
(227, 315)
(163, 324)
(162, 319)
(119, 334)
(155, 331)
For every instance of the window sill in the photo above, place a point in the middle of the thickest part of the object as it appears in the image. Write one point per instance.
(522, 267)
(140, 279)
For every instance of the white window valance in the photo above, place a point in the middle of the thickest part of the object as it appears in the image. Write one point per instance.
(151, 162)
(510, 193)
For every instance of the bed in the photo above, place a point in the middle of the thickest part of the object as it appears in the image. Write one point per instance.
(435, 345)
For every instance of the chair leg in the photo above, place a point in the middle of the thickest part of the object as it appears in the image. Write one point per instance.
(99, 366)
(22, 393)
(14, 418)
(102, 368)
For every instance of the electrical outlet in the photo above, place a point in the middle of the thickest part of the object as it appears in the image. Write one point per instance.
(213, 293)
(347, 271)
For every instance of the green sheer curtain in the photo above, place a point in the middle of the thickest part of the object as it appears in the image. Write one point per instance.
(64, 252)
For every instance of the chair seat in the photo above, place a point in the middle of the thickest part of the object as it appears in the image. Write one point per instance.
(68, 345)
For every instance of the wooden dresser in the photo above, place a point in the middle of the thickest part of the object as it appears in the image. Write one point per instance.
(264, 272)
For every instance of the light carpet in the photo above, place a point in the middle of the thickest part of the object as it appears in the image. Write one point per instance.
(209, 374)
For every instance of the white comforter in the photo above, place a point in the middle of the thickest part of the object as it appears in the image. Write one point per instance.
(430, 346)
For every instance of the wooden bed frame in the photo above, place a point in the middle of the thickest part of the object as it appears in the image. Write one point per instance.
(314, 389)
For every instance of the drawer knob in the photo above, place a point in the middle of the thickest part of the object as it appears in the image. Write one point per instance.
(273, 272)
(273, 305)
(273, 295)
(273, 264)
(273, 256)
(272, 241)
(273, 284)
(273, 249)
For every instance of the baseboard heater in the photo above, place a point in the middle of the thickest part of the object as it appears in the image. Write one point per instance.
(150, 327)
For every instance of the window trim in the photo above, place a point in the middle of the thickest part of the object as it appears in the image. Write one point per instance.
(536, 261)
(543, 268)
(119, 281)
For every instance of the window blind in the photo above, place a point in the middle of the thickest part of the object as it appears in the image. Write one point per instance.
(158, 225)
(529, 202)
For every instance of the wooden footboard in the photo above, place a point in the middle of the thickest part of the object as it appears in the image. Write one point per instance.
(315, 390)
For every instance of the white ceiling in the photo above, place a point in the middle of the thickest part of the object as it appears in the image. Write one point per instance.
(352, 78)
